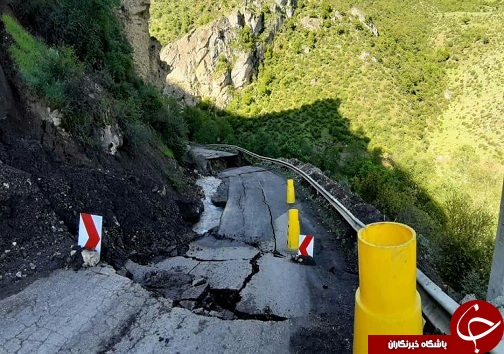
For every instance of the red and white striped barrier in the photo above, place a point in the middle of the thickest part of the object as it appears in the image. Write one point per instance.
(90, 232)
(306, 245)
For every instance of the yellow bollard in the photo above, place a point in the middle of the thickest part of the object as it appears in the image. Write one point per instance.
(293, 230)
(386, 301)
(290, 192)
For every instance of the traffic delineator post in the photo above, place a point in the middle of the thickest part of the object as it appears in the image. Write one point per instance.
(90, 232)
(291, 196)
(293, 230)
(306, 245)
(386, 301)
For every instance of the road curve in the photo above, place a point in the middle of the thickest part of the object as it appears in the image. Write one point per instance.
(233, 291)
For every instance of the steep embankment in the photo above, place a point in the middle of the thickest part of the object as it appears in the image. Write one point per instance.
(48, 176)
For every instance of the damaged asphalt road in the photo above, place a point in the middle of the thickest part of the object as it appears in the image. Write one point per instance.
(233, 290)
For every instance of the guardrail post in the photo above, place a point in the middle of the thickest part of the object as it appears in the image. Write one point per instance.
(496, 283)
(293, 230)
(386, 301)
(291, 199)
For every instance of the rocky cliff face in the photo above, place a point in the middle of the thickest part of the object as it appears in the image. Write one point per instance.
(134, 15)
(208, 61)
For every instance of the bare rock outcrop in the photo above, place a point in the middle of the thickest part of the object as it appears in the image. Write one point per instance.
(311, 24)
(226, 53)
(194, 59)
(111, 138)
(368, 23)
(134, 15)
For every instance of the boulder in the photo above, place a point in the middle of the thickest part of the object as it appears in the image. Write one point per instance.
(220, 197)
(90, 258)
(111, 138)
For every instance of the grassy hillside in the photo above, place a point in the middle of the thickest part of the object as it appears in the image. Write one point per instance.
(468, 141)
(411, 119)
(425, 91)
(86, 72)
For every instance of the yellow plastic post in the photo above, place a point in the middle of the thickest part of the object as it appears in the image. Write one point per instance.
(293, 230)
(291, 198)
(386, 301)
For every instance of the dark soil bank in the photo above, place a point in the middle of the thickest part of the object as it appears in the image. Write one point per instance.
(46, 180)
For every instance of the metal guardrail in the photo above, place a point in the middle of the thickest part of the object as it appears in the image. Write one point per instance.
(437, 306)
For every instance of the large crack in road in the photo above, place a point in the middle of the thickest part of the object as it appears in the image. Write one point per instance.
(229, 284)
(216, 299)
(271, 217)
(241, 198)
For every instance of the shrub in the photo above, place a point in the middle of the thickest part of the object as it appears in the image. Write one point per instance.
(93, 30)
(474, 283)
(209, 132)
(467, 244)
(176, 126)
(137, 135)
(57, 76)
(90, 27)
(246, 39)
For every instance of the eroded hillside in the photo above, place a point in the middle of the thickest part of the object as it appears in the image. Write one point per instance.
(66, 146)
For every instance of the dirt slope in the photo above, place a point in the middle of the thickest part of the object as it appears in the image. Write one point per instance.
(46, 180)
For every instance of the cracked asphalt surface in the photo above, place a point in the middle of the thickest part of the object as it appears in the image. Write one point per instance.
(236, 290)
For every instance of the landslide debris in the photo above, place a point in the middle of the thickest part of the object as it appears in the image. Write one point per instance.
(47, 179)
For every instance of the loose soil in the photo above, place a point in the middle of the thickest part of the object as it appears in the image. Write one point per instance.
(47, 179)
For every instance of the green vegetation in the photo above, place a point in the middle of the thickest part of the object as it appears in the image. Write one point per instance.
(410, 120)
(208, 125)
(246, 40)
(86, 71)
(467, 246)
(170, 20)
(90, 27)
(53, 73)
(45, 69)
